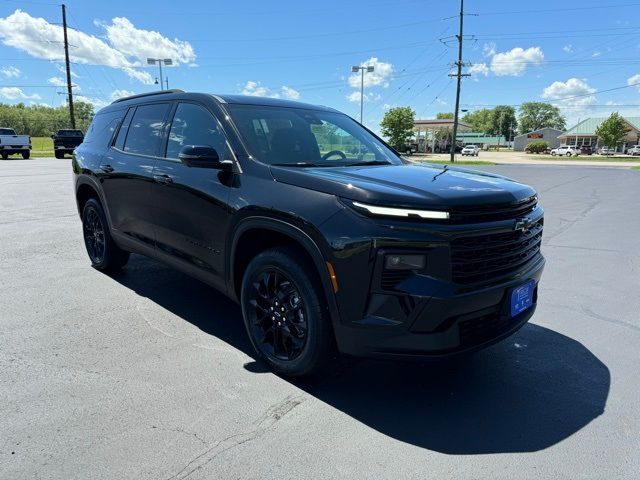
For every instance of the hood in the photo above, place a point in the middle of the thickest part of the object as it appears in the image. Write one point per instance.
(407, 186)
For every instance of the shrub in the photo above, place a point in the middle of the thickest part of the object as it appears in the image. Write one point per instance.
(539, 146)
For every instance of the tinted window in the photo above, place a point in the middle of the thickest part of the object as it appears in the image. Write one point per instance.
(124, 128)
(103, 126)
(7, 131)
(146, 129)
(194, 125)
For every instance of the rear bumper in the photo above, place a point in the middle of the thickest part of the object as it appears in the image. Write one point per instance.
(432, 319)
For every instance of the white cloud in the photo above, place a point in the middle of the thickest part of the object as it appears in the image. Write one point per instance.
(10, 71)
(256, 89)
(379, 77)
(125, 48)
(596, 54)
(97, 103)
(515, 61)
(116, 94)
(479, 69)
(489, 49)
(15, 93)
(354, 97)
(568, 48)
(290, 93)
(57, 81)
(634, 80)
(142, 44)
(572, 93)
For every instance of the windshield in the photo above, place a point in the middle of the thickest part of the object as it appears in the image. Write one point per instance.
(304, 138)
(7, 131)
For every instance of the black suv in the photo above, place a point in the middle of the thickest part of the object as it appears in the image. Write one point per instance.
(324, 248)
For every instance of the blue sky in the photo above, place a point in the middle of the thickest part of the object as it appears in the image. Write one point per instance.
(565, 53)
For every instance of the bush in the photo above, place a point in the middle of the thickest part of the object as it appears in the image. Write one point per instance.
(539, 146)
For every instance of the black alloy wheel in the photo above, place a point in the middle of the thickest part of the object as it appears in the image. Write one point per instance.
(93, 232)
(285, 313)
(105, 255)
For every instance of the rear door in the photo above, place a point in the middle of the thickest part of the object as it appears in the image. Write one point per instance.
(190, 204)
(127, 171)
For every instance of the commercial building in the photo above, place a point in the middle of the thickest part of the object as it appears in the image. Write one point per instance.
(481, 139)
(547, 134)
(584, 133)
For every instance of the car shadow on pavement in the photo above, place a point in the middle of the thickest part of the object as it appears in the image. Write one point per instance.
(524, 394)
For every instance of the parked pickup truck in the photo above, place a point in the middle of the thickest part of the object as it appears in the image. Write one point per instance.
(11, 143)
(565, 150)
(66, 141)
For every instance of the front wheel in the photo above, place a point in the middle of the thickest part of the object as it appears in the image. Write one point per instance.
(5, 156)
(568, 154)
(105, 255)
(285, 313)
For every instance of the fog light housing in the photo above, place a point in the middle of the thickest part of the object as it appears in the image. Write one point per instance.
(404, 262)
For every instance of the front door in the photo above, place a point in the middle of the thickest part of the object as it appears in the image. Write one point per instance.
(191, 214)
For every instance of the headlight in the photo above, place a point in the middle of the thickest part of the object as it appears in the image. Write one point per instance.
(405, 262)
(402, 212)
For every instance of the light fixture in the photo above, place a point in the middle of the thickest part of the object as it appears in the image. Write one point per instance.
(402, 212)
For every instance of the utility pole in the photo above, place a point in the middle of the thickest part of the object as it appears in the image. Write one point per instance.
(68, 67)
(459, 76)
(166, 81)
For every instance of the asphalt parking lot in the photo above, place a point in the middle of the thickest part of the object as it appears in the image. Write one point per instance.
(148, 375)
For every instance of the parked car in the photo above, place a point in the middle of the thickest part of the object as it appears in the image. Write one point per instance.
(408, 148)
(372, 256)
(66, 141)
(11, 143)
(586, 150)
(565, 150)
(470, 150)
(635, 150)
(607, 151)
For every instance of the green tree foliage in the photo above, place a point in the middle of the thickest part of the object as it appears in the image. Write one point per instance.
(397, 125)
(480, 120)
(535, 115)
(537, 146)
(444, 115)
(503, 121)
(42, 121)
(611, 132)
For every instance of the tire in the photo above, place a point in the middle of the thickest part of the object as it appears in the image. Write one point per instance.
(553, 154)
(104, 254)
(26, 155)
(285, 314)
(5, 156)
(59, 155)
(568, 154)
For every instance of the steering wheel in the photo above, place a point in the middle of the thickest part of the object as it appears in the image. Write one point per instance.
(341, 154)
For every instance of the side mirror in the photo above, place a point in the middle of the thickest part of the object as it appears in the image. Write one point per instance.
(202, 156)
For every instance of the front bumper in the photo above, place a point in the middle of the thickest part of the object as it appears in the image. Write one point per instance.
(429, 318)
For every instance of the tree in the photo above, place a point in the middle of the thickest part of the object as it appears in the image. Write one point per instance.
(42, 120)
(397, 125)
(612, 131)
(480, 120)
(503, 121)
(535, 115)
(444, 115)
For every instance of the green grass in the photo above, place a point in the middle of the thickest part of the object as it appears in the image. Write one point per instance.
(635, 168)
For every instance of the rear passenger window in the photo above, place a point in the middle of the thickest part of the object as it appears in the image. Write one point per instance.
(103, 126)
(124, 128)
(194, 125)
(145, 132)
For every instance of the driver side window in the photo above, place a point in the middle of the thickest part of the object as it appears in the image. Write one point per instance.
(331, 138)
(194, 125)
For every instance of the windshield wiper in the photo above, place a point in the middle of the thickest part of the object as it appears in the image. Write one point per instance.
(368, 163)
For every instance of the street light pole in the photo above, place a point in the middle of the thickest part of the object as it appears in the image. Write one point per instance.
(356, 69)
(160, 61)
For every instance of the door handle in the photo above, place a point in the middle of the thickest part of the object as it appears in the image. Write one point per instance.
(106, 168)
(163, 179)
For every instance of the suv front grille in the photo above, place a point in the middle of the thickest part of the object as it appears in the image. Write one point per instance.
(494, 212)
(485, 257)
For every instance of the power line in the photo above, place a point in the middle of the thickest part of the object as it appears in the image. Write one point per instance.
(566, 9)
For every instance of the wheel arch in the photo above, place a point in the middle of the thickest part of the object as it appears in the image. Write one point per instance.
(248, 239)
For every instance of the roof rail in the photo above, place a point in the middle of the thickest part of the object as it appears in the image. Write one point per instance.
(140, 95)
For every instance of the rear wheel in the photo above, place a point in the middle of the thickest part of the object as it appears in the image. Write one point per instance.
(59, 155)
(5, 156)
(568, 154)
(285, 314)
(105, 255)
(26, 155)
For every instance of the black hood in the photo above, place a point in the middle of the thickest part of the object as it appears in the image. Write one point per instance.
(400, 185)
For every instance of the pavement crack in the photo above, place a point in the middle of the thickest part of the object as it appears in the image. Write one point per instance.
(185, 432)
(263, 424)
